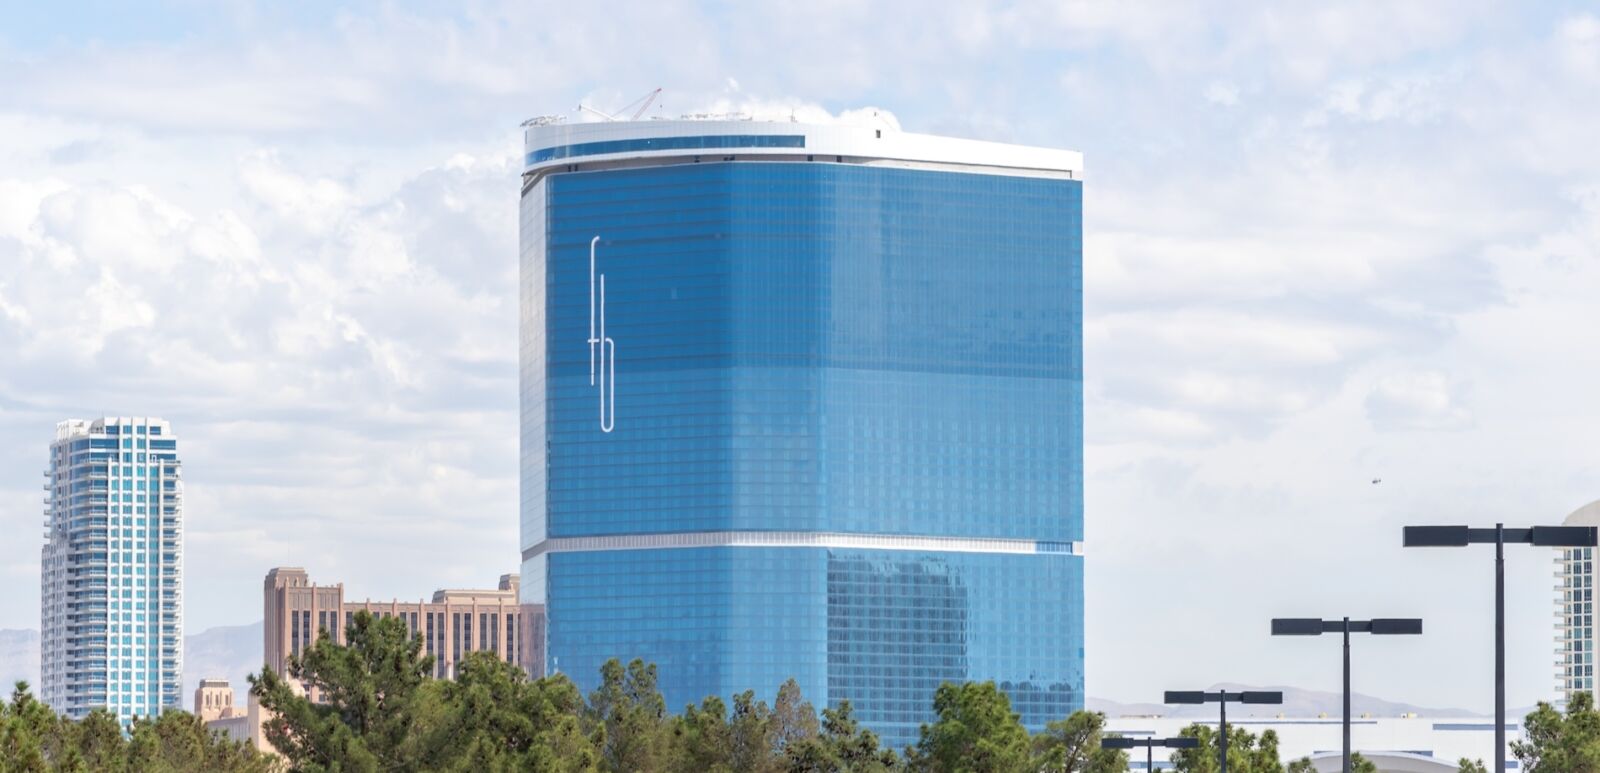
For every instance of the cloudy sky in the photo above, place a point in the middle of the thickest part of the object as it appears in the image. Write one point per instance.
(1359, 241)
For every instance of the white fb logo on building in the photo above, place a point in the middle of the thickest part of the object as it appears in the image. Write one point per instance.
(607, 369)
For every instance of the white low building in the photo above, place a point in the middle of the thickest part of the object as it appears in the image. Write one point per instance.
(1394, 744)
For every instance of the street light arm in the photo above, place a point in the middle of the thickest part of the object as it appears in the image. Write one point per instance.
(1565, 536)
(1395, 626)
(1298, 626)
(1435, 536)
(1261, 697)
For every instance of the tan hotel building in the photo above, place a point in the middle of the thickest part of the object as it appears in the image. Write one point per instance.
(455, 623)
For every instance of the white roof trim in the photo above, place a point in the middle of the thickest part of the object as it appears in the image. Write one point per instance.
(852, 142)
(794, 539)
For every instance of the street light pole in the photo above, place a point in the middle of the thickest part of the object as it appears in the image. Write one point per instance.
(1222, 728)
(1347, 695)
(1500, 643)
(1311, 626)
(1223, 697)
(1461, 536)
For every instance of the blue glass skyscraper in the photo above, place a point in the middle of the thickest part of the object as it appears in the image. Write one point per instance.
(112, 569)
(805, 401)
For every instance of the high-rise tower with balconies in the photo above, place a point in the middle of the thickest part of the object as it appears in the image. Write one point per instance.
(1575, 629)
(112, 569)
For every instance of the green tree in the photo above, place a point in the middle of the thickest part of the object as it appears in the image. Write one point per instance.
(1471, 766)
(179, 742)
(1246, 752)
(702, 740)
(706, 739)
(1072, 745)
(33, 739)
(751, 735)
(371, 697)
(842, 747)
(1264, 756)
(97, 738)
(630, 714)
(493, 718)
(793, 717)
(1555, 742)
(976, 732)
(25, 727)
(1358, 764)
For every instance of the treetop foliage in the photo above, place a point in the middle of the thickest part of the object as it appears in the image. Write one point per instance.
(34, 739)
(377, 709)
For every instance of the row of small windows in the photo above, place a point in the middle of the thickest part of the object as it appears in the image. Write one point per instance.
(127, 442)
(661, 183)
(113, 429)
(668, 143)
(111, 456)
(489, 638)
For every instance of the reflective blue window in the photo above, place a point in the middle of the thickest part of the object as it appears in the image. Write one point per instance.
(707, 142)
(811, 347)
(881, 629)
(817, 347)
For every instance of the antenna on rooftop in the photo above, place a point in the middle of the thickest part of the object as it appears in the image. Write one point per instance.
(643, 103)
(582, 108)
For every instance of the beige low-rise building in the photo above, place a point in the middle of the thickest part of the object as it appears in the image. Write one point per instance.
(454, 623)
(213, 704)
(213, 699)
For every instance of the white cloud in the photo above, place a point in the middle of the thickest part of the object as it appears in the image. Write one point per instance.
(1580, 44)
(1408, 99)
(312, 205)
(1222, 93)
(273, 309)
(1425, 400)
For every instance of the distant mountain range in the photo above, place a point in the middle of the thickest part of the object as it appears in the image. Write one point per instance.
(228, 652)
(1296, 703)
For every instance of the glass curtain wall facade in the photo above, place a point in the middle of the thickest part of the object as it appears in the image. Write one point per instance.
(810, 420)
(112, 566)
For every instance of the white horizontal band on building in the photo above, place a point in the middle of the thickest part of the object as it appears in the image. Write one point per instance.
(608, 144)
(800, 539)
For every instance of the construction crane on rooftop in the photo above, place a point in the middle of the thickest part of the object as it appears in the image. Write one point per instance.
(643, 102)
